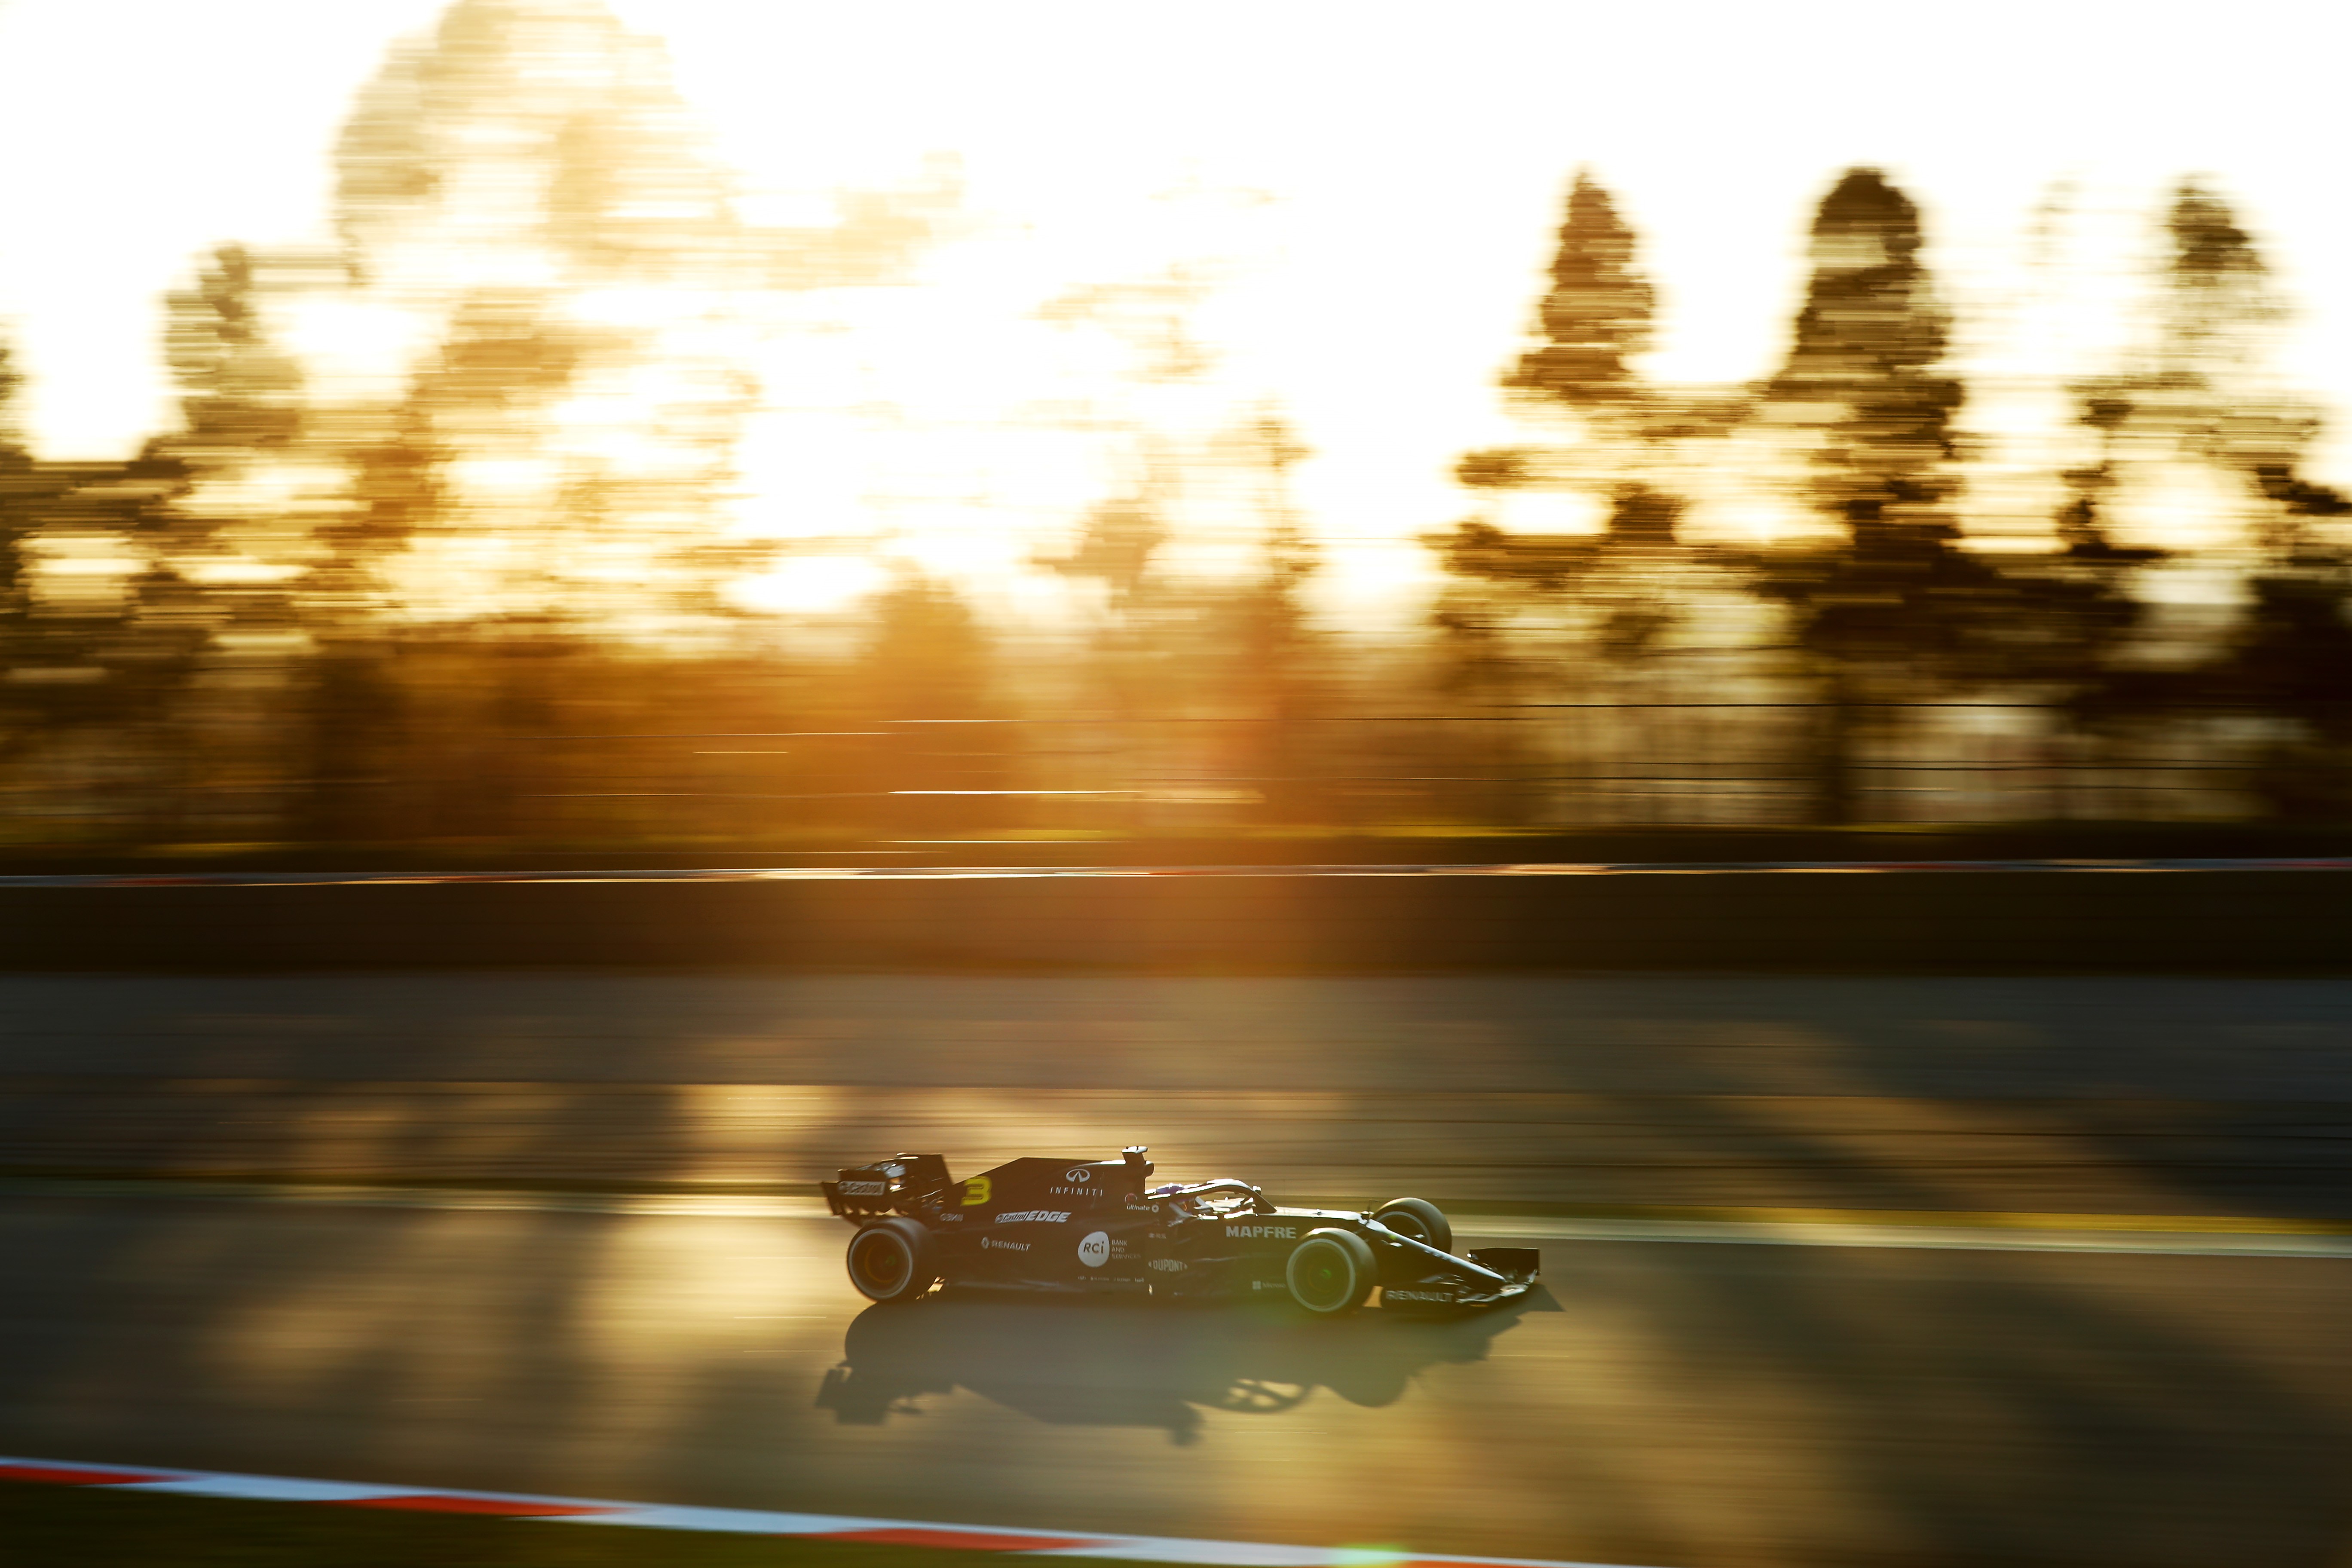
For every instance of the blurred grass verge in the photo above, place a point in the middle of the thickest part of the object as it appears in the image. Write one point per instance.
(52, 1527)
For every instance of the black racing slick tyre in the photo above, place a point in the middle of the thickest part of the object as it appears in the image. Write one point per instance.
(1331, 1272)
(1418, 1218)
(892, 1260)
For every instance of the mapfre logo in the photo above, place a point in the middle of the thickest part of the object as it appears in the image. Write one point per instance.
(1077, 1173)
(1256, 1232)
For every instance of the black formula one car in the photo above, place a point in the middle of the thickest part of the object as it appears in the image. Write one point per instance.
(1096, 1225)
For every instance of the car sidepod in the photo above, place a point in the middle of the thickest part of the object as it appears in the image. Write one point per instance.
(1236, 1254)
(1048, 1225)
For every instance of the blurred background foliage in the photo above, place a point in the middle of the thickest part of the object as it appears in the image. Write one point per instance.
(441, 552)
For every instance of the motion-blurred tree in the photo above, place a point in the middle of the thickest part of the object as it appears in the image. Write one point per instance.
(927, 656)
(1597, 311)
(1114, 547)
(1863, 383)
(1529, 615)
(2207, 388)
(2207, 391)
(1896, 610)
(526, 190)
(1594, 319)
(240, 391)
(73, 660)
(1523, 612)
(242, 401)
(19, 486)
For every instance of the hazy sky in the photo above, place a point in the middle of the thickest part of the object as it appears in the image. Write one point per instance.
(1412, 158)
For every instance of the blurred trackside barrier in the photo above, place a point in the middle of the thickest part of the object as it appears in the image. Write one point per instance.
(443, 780)
(1889, 922)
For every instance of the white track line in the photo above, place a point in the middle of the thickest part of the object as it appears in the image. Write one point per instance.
(998, 1539)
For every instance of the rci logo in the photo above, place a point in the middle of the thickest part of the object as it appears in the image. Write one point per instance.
(1077, 1173)
(1094, 1250)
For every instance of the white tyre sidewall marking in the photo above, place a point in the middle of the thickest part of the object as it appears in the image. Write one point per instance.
(1093, 1249)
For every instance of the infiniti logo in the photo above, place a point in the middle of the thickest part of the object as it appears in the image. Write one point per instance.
(1077, 1173)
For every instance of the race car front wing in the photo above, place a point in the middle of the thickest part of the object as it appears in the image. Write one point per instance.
(1415, 1274)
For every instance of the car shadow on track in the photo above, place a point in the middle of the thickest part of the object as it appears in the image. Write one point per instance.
(1130, 1362)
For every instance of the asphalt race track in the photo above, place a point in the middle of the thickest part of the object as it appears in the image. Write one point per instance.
(2094, 1095)
(1685, 1407)
(1670, 1405)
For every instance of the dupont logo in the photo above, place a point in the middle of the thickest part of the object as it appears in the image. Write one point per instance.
(1260, 1232)
(1038, 1217)
(1167, 1265)
(864, 1189)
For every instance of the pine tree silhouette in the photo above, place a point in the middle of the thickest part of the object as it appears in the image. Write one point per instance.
(2209, 394)
(1895, 612)
(1862, 379)
(1597, 314)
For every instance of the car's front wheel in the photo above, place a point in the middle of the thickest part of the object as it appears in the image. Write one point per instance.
(892, 1260)
(1331, 1272)
(1418, 1218)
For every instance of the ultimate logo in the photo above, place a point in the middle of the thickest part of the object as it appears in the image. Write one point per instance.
(1221, 1237)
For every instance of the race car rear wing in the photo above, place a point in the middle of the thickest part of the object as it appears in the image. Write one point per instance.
(895, 1185)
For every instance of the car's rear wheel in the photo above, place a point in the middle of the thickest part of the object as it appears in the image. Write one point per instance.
(1331, 1272)
(892, 1260)
(1418, 1218)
